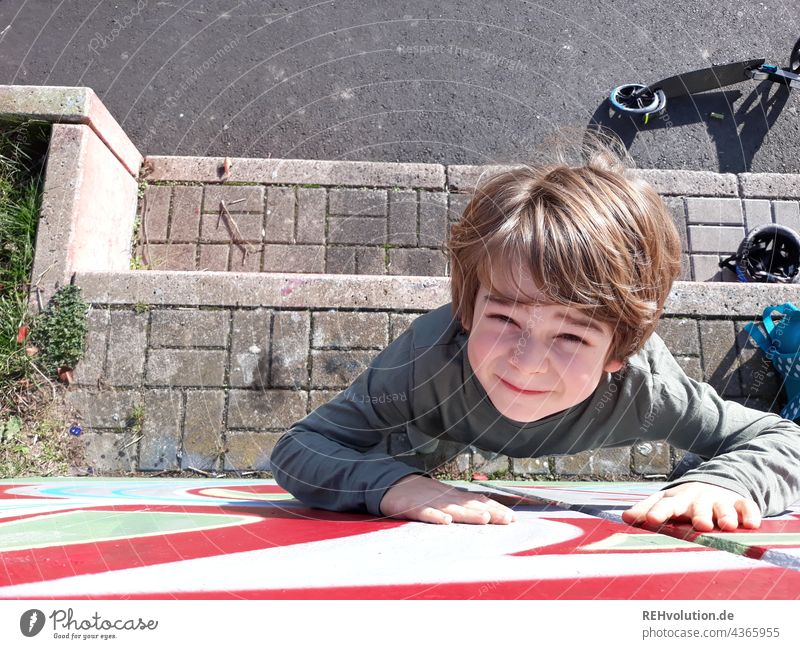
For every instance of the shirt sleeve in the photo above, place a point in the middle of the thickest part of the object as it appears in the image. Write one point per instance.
(328, 459)
(751, 452)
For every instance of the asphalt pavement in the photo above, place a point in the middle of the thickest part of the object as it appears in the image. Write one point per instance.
(451, 82)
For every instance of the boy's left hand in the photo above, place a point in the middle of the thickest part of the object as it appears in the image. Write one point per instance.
(702, 504)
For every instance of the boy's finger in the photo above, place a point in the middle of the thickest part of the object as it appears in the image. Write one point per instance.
(638, 512)
(702, 513)
(749, 513)
(431, 515)
(666, 508)
(726, 516)
(462, 514)
(499, 513)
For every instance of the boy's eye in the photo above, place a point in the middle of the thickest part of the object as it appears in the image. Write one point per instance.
(568, 337)
(503, 318)
(572, 338)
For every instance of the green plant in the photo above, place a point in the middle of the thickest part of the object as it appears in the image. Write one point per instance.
(60, 331)
(23, 149)
(136, 419)
(137, 263)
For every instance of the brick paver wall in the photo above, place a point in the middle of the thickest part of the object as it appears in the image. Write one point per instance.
(213, 388)
(381, 231)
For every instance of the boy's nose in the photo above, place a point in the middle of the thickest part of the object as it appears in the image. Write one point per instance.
(529, 355)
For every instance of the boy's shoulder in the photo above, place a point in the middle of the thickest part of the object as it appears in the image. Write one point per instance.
(436, 327)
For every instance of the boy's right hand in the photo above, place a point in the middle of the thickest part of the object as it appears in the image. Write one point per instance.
(419, 498)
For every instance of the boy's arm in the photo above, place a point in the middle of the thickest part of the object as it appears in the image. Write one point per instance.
(325, 459)
(753, 453)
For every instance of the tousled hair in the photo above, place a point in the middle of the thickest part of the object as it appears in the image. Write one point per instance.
(592, 235)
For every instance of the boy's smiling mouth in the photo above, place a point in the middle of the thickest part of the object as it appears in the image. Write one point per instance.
(511, 386)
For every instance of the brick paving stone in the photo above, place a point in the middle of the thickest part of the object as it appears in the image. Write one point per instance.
(714, 210)
(189, 328)
(202, 429)
(758, 375)
(402, 222)
(350, 330)
(357, 202)
(764, 185)
(337, 369)
(90, 368)
(185, 221)
(530, 466)
(160, 447)
(489, 463)
(108, 452)
(686, 269)
(651, 458)
(213, 257)
(757, 212)
(576, 464)
(293, 258)
(358, 230)
(249, 262)
(174, 256)
(108, 408)
(186, 367)
(250, 348)
(720, 359)
(341, 260)
(787, 213)
(716, 239)
(602, 463)
(412, 261)
(249, 451)
(311, 214)
(280, 217)
(245, 227)
(691, 367)
(677, 210)
(265, 409)
(457, 203)
(316, 398)
(707, 269)
(680, 335)
(370, 260)
(156, 211)
(126, 348)
(432, 218)
(253, 198)
(290, 344)
(399, 322)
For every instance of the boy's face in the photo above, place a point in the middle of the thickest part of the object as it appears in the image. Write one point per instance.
(533, 360)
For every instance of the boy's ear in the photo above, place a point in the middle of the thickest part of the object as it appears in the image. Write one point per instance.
(613, 366)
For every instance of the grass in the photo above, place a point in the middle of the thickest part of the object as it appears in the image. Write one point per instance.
(33, 418)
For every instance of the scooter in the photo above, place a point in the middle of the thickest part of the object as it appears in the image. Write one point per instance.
(646, 100)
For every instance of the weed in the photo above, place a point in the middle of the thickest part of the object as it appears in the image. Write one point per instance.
(60, 331)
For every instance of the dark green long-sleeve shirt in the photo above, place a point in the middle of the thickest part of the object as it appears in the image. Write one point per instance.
(422, 384)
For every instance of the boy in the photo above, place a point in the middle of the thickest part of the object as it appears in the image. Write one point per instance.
(559, 275)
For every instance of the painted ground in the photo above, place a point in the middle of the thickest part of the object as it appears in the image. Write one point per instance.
(172, 538)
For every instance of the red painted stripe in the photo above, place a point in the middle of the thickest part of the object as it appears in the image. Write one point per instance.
(765, 583)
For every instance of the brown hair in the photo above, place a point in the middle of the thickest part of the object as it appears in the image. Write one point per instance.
(592, 236)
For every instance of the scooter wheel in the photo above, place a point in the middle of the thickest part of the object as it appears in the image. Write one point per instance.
(637, 99)
(794, 59)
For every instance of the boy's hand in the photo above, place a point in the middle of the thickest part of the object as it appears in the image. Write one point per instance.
(419, 498)
(702, 504)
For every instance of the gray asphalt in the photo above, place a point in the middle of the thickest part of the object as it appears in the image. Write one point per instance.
(453, 82)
